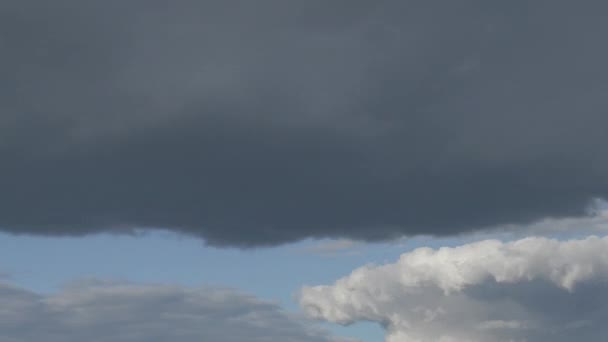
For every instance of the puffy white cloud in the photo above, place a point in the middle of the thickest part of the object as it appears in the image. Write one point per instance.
(102, 312)
(534, 289)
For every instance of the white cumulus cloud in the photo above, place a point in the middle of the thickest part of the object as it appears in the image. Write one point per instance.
(534, 289)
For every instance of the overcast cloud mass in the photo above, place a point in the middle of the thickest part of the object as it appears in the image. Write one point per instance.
(262, 122)
(100, 312)
(532, 290)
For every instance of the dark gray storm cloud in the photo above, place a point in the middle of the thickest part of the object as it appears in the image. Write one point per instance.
(261, 122)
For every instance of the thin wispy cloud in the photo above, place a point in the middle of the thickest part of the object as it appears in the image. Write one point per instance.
(333, 248)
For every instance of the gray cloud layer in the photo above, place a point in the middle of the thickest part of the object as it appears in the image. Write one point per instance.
(256, 123)
(100, 312)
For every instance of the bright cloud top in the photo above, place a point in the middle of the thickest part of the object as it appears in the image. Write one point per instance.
(535, 289)
(100, 312)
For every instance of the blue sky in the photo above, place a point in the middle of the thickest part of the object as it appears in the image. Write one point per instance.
(46, 264)
(165, 258)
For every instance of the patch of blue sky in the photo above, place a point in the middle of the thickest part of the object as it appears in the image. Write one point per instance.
(44, 264)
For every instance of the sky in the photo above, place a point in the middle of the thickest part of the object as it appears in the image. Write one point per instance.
(285, 170)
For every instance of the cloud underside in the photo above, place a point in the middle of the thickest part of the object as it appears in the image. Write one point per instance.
(100, 311)
(534, 289)
(262, 123)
